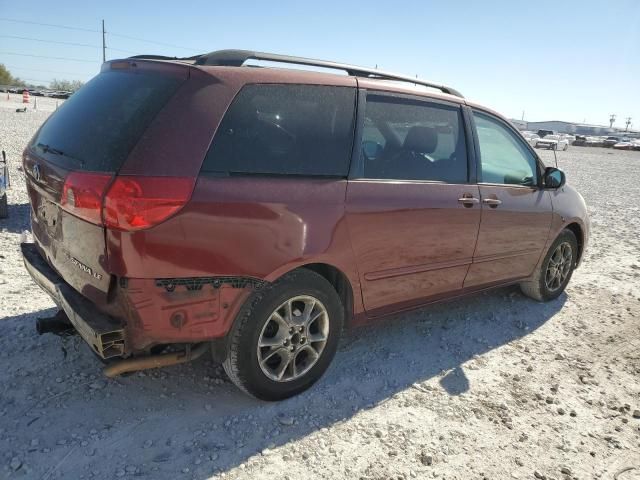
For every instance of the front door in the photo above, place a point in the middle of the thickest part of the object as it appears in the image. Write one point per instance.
(516, 211)
(413, 216)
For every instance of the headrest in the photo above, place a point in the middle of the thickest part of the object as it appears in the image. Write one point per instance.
(421, 139)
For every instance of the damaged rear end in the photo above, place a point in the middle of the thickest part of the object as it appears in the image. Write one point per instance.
(115, 161)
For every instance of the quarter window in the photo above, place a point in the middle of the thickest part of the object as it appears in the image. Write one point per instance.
(285, 130)
(504, 158)
(413, 140)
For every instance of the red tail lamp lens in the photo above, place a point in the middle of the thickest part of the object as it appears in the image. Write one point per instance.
(82, 195)
(134, 203)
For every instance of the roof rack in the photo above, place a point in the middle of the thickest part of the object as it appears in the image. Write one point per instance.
(236, 58)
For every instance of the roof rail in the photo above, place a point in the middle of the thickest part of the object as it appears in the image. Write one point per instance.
(236, 58)
(163, 57)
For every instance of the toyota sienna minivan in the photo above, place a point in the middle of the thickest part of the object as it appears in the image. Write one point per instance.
(209, 204)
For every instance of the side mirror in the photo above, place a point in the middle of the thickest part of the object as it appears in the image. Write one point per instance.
(554, 178)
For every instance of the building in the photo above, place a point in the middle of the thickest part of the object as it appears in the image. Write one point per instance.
(568, 127)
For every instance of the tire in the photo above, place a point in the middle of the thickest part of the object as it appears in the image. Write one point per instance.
(544, 285)
(257, 321)
(4, 207)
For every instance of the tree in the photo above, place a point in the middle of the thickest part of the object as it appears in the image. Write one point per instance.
(7, 79)
(66, 85)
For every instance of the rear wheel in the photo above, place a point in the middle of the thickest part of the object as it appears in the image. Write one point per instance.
(4, 207)
(285, 337)
(553, 275)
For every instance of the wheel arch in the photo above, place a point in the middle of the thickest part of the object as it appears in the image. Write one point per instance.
(338, 280)
(577, 231)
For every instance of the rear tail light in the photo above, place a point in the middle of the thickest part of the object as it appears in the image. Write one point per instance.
(134, 203)
(82, 195)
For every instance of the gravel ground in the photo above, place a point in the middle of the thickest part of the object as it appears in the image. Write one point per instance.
(495, 386)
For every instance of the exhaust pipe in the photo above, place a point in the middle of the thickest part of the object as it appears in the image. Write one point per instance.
(59, 324)
(155, 361)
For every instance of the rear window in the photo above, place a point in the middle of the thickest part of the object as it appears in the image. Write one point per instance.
(285, 130)
(99, 125)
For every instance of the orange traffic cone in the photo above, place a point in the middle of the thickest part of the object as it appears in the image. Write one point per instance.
(25, 96)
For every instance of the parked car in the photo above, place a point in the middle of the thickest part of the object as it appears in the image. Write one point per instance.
(531, 138)
(552, 142)
(610, 141)
(544, 133)
(254, 212)
(594, 142)
(625, 144)
(580, 141)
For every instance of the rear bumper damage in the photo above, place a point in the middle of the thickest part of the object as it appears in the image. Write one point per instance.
(103, 333)
(140, 313)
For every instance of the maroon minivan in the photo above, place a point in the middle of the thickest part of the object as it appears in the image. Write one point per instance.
(203, 204)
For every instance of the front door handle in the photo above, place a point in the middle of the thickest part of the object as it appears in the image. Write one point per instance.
(492, 202)
(468, 200)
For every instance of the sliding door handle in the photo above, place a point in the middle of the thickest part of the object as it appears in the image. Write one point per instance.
(468, 201)
(492, 202)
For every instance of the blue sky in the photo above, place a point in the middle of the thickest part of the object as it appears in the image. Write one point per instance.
(571, 60)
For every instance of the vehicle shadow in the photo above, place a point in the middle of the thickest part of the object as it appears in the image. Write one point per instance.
(18, 219)
(190, 418)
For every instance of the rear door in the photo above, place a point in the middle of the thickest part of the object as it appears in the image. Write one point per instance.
(516, 211)
(72, 159)
(412, 209)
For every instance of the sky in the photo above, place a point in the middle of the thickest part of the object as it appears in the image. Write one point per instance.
(571, 60)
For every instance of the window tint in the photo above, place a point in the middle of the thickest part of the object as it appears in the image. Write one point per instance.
(96, 128)
(285, 129)
(504, 157)
(408, 140)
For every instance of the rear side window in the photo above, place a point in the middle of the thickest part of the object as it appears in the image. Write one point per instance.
(96, 128)
(404, 139)
(285, 130)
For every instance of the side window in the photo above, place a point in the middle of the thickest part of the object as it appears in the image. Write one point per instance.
(285, 130)
(504, 158)
(413, 140)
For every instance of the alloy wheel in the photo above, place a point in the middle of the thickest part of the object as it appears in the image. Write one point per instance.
(293, 338)
(559, 266)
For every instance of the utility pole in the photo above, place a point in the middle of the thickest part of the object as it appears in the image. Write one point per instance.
(104, 47)
(522, 115)
(628, 123)
(612, 118)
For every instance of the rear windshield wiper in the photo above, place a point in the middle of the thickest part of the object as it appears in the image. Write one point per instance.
(54, 151)
(48, 149)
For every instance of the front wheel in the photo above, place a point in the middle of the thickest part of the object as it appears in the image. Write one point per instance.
(551, 278)
(285, 337)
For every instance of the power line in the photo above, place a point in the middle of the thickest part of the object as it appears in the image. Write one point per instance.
(50, 41)
(67, 43)
(67, 27)
(14, 67)
(151, 41)
(44, 56)
(120, 50)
